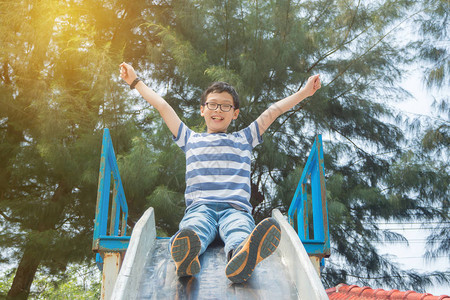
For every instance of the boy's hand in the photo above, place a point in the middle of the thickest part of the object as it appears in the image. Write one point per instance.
(127, 73)
(312, 85)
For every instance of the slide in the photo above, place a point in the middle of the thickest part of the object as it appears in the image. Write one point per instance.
(148, 272)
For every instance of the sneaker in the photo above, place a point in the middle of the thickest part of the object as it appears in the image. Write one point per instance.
(261, 243)
(185, 249)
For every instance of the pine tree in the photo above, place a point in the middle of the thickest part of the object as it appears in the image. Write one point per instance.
(59, 89)
(267, 50)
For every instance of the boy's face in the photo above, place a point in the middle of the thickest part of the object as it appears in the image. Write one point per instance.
(218, 120)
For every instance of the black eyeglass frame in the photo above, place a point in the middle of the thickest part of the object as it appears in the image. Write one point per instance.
(217, 105)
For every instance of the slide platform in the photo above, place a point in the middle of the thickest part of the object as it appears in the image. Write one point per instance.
(148, 271)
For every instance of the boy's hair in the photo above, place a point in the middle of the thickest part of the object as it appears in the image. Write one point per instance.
(219, 87)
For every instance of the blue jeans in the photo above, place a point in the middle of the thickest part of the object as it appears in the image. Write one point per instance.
(218, 219)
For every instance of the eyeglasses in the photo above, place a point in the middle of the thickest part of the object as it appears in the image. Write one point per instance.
(214, 106)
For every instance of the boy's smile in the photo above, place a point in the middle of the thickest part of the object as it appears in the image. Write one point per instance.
(217, 120)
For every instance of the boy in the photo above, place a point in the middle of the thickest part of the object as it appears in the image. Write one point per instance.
(218, 166)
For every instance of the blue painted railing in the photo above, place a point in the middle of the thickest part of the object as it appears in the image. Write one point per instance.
(317, 243)
(114, 239)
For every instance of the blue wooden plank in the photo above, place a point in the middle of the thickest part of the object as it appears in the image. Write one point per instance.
(295, 203)
(103, 189)
(99, 261)
(104, 205)
(314, 248)
(113, 243)
(116, 175)
(303, 221)
(321, 167)
(309, 162)
(317, 206)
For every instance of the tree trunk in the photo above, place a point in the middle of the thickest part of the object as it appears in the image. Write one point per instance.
(24, 277)
(31, 258)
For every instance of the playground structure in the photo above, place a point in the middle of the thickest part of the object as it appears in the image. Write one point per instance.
(139, 266)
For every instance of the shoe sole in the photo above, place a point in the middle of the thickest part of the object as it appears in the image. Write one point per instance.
(185, 249)
(263, 242)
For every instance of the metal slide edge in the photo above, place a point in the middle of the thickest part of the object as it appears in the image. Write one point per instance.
(142, 242)
(296, 260)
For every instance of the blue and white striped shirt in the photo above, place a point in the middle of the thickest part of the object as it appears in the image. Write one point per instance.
(218, 165)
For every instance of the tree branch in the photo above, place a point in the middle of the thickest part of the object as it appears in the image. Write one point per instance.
(9, 219)
(373, 46)
(343, 43)
(344, 136)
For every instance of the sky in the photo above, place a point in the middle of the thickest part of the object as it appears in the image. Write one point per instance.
(411, 256)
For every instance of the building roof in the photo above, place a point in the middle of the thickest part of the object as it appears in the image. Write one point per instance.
(353, 292)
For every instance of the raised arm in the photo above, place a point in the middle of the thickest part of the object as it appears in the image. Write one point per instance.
(166, 111)
(282, 106)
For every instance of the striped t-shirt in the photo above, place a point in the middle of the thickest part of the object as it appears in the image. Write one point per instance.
(218, 165)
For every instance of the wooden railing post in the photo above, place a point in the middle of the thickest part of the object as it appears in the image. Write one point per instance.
(111, 245)
(317, 246)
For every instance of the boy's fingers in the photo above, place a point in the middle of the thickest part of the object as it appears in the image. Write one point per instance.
(123, 70)
(316, 78)
(124, 66)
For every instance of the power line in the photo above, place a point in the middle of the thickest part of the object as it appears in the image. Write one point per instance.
(421, 240)
(417, 228)
(403, 242)
(416, 257)
(409, 223)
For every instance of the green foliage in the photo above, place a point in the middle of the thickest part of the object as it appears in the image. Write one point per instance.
(58, 70)
(153, 175)
(433, 28)
(5, 283)
(77, 282)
